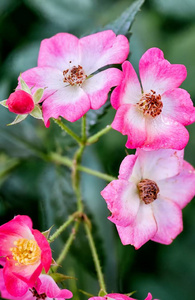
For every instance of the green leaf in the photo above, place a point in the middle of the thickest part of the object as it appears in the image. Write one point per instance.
(3, 103)
(58, 277)
(38, 95)
(37, 112)
(7, 165)
(47, 232)
(124, 22)
(18, 119)
(24, 86)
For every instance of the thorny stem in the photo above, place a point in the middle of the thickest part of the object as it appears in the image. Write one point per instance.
(84, 133)
(63, 227)
(69, 163)
(67, 245)
(94, 138)
(95, 257)
(68, 130)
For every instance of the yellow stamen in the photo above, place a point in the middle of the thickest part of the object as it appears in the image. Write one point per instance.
(26, 252)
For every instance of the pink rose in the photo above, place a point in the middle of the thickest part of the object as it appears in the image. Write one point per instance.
(25, 253)
(146, 201)
(153, 115)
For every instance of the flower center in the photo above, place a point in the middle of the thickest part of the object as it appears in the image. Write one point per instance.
(26, 252)
(151, 104)
(148, 190)
(38, 296)
(74, 75)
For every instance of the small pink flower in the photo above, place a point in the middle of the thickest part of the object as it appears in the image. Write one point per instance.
(66, 67)
(147, 199)
(153, 115)
(25, 253)
(20, 102)
(116, 296)
(45, 288)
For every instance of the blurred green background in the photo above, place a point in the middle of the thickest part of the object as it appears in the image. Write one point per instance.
(32, 186)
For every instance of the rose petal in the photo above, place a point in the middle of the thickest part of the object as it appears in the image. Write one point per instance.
(163, 132)
(129, 91)
(71, 103)
(101, 49)
(98, 86)
(130, 121)
(141, 230)
(61, 51)
(160, 164)
(123, 201)
(127, 166)
(158, 74)
(178, 106)
(48, 286)
(168, 217)
(179, 189)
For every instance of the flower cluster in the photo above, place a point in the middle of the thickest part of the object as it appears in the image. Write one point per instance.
(153, 185)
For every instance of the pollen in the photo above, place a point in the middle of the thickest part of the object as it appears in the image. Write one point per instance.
(74, 75)
(25, 252)
(148, 190)
(38, 296)
(150, 104)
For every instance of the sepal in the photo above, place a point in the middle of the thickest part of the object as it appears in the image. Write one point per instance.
(24, 86)
(38, 95)
(37, 113)
(3, 103)
(18, 119)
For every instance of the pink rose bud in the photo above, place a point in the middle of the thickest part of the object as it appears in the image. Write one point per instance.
(20, 102)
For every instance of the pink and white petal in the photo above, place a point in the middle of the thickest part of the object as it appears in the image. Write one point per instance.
(130, 121)
(127, 166)
(141, 230)
(178, 106)
(46, 255)
(122, 200)
(181, 188)
(71, 103)
(49, 78)
(14, 285)
(158, 74)
(18, 227)
(58, 51)
(160, 164)
(117, 296)
(164, 132)
(129, 91)
(101, 49)
(98, 86)
(168, 216)
(47, 285)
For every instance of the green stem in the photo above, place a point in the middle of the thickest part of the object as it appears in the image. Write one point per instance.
(95, 258)
(67, 246)
(76, 177)
(61, 228)
(68, 130)
(69, 163)
(84, 133)
(96, 136)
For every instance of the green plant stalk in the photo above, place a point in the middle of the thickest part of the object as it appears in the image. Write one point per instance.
(54, 157)
(76, 177)
(83, 130)
(95, 258)
(61, 228)
(94, 138)
(68, 130)
(67, 246)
